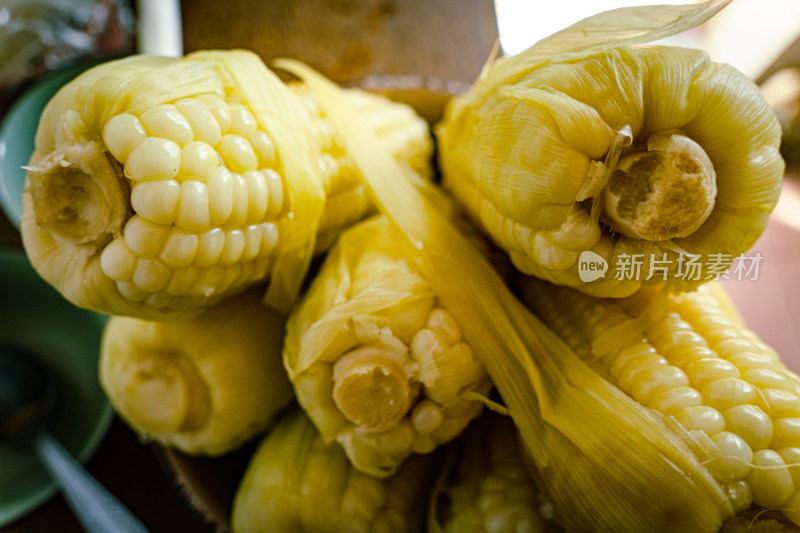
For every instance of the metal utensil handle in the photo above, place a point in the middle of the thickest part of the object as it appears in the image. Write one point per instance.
(98, 510)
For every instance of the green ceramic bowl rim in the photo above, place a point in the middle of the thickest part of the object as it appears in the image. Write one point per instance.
(14, 259)
(18, 130)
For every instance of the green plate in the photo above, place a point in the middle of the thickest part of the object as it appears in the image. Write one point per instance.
(17, 134)
(35, 317)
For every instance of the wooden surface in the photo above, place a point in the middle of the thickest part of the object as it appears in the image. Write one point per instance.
(347, 40)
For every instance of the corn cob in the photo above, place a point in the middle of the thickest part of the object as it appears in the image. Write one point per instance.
(696, 363)
(159, 186)
(203, 385)
(653, 155)
(600, 449)
(484, 486)
(297, 483)
(376, 361)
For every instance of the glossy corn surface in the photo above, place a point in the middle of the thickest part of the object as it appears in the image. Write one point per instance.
(213, 177)
(698, 363)
(376, 361)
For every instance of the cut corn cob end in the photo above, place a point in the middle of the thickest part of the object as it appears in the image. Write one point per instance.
(174, 206)
(701, 366)
(297, 483)
(203, 385)
(484, 486)
(396, 393)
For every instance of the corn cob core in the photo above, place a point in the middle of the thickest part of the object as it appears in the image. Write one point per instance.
(376, 362)
(704, 368)
(663, 192)
(533, 152)
(190, 199)
(297, 483)
(204, 384)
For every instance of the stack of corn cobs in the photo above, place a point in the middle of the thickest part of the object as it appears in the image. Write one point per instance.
(407, 385)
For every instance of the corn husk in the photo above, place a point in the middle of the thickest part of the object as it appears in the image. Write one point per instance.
(597, 451)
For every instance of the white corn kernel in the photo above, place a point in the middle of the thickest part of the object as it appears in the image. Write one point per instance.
(444, 324)
(675, 399)
(205, 126)
(121, 134)
(242, 121)
(144, 238)
(702, 417)
(117, 261)
(751, 424)
(425, 344)
(785, 433)
(727, 392)
(426, 417)
(275, 184)
(241, 201)
(704, 371)
(791, 457)
(772, 485)
(210, 248)
(252, 242)
(264, 148)
(198, 161)
(234, 247)
(179, 249)
(269, 237)
(218, 109)
(153, 159)
(156, 201)
(658, 379)
(737, 456)
(220, 195)
(237, 153)
(131, 292)
(194, 210)
(167, 122)
(257, 195)
(151, 275)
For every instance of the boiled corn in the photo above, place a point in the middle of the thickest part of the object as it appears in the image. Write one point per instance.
(696, 363)
(578, 144)
(376, 361)
(203, 385)
(160, 186)
(296, 483)
(600, 449)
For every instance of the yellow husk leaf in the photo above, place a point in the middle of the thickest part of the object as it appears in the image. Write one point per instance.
(597, 450)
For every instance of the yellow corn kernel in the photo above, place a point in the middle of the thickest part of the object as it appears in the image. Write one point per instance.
(750, 412)
(167, 122)
(122, 134)
(205, 127)
(153, 159)
(198, 161)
